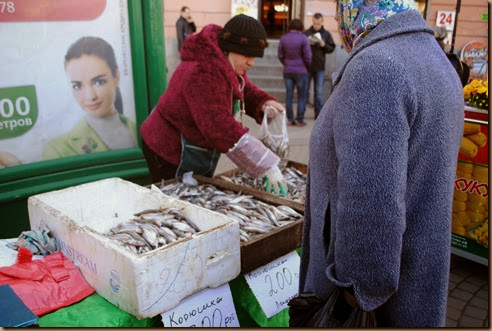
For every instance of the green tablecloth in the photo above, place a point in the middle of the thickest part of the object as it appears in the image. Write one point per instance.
(248, 310)
(95, 311)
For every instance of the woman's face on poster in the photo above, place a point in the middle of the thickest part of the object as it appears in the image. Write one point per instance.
(93, 84)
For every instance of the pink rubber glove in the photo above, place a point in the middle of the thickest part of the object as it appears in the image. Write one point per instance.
(252, 156)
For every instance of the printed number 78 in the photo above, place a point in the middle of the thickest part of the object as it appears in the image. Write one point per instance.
(9, 5)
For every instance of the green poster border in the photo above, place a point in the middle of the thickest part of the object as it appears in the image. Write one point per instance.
(153, 13)
(19, 182)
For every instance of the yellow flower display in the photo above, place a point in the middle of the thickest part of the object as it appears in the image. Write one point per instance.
(477, 93)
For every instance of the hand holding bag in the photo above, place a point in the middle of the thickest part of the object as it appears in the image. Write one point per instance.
(273, 134)
(339, 310)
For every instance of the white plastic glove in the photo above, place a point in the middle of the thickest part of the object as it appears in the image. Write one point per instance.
(275, 182)
(252, 156)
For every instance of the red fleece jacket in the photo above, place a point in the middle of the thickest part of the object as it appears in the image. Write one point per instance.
(199, 100)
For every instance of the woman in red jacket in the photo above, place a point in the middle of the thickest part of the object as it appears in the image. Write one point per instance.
(199, 116)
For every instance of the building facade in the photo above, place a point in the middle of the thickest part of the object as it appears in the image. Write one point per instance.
(275, 15)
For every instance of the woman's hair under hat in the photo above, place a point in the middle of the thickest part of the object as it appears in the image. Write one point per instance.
(244, 35)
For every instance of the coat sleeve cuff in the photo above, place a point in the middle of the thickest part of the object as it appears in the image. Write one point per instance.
(366, 299)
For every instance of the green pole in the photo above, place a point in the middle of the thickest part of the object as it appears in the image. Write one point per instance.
(155, 51)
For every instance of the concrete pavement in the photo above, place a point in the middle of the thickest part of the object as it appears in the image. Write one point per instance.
(468, 301)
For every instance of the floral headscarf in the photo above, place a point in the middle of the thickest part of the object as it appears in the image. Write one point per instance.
(356, 18)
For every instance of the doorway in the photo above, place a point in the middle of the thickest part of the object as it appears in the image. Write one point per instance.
(276, 15)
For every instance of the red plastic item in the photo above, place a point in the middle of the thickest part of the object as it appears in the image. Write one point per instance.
(47, 284)
(24, 255)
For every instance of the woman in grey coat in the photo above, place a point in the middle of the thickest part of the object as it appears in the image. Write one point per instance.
(383, 156)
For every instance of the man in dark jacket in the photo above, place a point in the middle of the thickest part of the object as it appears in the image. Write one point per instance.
(184, 26)
(321, 44)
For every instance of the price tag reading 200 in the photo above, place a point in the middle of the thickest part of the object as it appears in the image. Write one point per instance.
(275, 283)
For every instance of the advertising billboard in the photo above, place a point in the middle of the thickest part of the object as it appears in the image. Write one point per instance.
(66, 80)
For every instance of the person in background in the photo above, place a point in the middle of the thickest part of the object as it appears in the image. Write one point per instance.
(382, 164)
(271, 16)
(440, 34)
(321, 44)
(461, 67)
(199, 116)
(91, 67)
(294, 53)
(184, 26)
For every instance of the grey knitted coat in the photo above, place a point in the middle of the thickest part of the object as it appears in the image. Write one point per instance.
(383, 156)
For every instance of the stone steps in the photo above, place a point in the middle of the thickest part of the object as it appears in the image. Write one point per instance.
(267, 82)
(279, 94)
(266, 69)
(267, 72)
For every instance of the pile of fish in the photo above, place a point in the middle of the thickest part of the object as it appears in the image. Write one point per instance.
(278, 146)
(153, 228)
(254, 216)
(296, 182)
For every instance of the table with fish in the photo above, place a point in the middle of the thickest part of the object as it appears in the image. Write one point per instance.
(295, 175)
(269, 226)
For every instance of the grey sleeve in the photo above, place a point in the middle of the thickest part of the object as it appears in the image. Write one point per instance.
(371, 140)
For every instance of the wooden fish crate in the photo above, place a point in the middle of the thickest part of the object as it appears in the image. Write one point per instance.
(263, 248)
(147, 284)
(299, 166)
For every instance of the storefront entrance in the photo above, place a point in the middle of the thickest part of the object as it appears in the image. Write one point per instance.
(276, 15)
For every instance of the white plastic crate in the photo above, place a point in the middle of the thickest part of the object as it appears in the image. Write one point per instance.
(143, 285)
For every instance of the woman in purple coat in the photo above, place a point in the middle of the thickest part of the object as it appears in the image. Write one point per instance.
(294, 52)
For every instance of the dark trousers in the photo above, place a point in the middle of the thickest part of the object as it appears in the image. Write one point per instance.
(158, 167)
(291, 81)
(317, 78)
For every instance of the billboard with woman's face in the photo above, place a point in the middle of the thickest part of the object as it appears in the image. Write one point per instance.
(66, 81)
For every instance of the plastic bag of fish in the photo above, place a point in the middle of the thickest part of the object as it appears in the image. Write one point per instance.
(295, 179)
(254, 216)
(151, 229)
(273, 134)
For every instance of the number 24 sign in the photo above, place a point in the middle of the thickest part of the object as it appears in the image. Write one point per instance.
(446, 19)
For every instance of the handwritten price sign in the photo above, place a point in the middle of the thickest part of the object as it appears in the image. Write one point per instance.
(212, 307)
(275, 283)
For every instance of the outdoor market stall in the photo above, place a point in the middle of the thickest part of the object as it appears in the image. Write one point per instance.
(470, 204)
(269, 262)
(231, 263)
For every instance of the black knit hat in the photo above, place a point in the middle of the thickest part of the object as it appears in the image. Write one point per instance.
(244, 35)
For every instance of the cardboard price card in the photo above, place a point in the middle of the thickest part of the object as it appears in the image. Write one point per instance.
(212, 307)
(276, 283)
